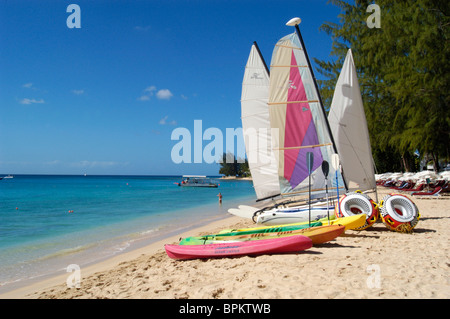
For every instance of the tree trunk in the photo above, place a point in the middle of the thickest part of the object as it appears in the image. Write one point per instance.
(435, 158)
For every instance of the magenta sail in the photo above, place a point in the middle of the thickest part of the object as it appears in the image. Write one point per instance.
(305, 134)
(297, 115)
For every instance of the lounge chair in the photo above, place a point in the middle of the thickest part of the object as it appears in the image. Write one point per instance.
(417, 188)
(434, 192)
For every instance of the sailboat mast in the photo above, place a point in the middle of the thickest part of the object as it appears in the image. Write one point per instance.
(262, 59)
(319, 95)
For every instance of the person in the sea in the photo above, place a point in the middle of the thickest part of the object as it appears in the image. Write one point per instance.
(220, 198)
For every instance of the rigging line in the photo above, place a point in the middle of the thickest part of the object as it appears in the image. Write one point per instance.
(305, 191)
(301, 147)
(292, 102)
(289, 47)
(289, 66)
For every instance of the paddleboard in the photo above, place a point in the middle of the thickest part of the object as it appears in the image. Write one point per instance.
(280, 245)
(318, 235)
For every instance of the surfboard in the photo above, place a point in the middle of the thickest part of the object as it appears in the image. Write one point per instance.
(291, 244)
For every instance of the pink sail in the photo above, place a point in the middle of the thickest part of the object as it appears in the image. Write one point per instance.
(297, 115)
(300, 130)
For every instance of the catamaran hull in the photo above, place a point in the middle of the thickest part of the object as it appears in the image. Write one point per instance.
(290, 216)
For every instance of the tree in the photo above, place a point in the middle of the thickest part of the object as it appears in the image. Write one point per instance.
(403, 72)
(231, 166)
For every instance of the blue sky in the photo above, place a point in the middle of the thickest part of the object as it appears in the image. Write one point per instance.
(105, 98)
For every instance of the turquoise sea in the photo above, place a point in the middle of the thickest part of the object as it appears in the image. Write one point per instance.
(48, 222)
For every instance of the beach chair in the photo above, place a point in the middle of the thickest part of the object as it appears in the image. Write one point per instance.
(417, 188)
(404, 186)
(389, 183)
(434, 193)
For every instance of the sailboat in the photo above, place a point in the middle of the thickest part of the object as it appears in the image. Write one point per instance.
(297, 115)
(257, 129)
(349, 127)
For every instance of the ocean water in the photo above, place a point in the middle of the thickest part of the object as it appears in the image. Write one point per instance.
(48, 222)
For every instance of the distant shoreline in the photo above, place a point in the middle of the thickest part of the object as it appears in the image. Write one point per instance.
(237, 178)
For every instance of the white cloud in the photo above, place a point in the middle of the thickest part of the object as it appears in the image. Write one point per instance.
(27, 85)
(77, 92)
(31, 101)
(184, 97)
(144, 98)
(150, 89)
(163, 121)
(164, 94)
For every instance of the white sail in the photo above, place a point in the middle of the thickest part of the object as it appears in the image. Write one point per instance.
(256, 126)
(349, 128)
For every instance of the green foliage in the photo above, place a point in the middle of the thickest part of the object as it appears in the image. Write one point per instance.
(403, 71)
(231, 166)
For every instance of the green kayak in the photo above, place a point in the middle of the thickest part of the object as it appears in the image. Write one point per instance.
(245, 235)
(324, 221)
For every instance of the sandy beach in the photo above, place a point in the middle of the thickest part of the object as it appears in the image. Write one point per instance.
(374, 263)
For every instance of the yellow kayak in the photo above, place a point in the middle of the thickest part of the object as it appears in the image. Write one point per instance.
(350, 222)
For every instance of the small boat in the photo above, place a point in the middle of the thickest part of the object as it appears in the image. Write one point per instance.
(9, 176)
(196, 181)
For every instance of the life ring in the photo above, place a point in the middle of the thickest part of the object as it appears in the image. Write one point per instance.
(399, 213)
(357, 203)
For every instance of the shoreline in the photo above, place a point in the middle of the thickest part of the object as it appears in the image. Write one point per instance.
(410, 266)
(27, 291)
(235, 178)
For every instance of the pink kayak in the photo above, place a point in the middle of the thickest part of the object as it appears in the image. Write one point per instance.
(290, 244)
